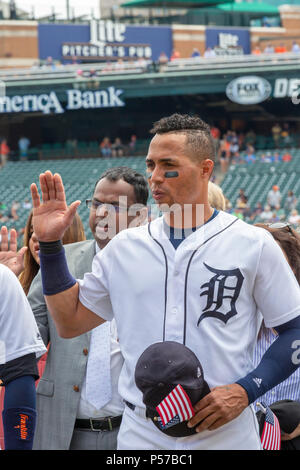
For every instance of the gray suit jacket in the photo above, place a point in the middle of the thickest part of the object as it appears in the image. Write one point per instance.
(59, 390)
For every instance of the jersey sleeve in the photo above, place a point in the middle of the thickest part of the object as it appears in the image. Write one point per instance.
(94, 287)
(276, 290)
(19, 334)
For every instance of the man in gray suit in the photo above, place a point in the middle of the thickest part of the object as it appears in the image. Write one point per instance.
(66, 418)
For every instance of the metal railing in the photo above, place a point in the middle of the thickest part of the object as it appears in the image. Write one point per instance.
(97, 70)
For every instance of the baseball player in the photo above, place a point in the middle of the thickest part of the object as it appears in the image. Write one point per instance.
(20, 344)
(196, 276)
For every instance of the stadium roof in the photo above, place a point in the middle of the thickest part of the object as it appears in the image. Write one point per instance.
(248, 7)
(171, 3)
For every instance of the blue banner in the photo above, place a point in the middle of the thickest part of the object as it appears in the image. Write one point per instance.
(103, 40)
(228, 40)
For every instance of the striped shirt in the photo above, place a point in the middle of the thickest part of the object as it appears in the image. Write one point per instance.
(289, 389)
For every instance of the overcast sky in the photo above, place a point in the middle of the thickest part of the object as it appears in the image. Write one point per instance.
(44, 7)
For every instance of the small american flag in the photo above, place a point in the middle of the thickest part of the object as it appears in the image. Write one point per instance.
(271, 435)
(177, 403)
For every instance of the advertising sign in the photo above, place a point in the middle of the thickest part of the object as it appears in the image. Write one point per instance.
(103, 40)
(49, 103)
(228, 41)
(248, 90)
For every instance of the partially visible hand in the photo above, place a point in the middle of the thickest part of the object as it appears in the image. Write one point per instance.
(8, 251)
(220, 406)
(52, 217)
(288, 437)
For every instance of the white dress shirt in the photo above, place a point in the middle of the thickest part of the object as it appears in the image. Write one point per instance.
(115, 406)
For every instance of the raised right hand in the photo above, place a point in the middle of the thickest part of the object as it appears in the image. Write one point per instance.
(52, 217)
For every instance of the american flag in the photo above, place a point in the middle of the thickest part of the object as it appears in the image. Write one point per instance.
(177, 403)
(271, 435)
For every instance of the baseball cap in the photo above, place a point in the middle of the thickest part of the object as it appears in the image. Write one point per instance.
(159, 370)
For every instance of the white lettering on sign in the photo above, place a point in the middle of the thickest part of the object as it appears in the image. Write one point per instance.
(76, 99)
(106, 31)
(286, 87)
(228, 40)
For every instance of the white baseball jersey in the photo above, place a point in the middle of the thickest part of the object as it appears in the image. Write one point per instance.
(19, 334)
(206, 294)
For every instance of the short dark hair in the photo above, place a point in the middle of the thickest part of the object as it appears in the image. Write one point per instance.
(130, 176)
(199, 140)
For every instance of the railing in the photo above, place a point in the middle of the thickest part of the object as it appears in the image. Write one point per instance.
(96, 70)
(221, 62)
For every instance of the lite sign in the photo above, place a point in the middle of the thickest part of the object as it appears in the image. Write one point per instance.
(107, 39)
(49, 103)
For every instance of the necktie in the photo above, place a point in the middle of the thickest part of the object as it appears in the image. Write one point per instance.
(98, 382)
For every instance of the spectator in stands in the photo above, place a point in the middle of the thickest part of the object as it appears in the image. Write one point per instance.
(281, 48)
(274, 197)
(4, 152)
(256, 50)
(175, 55)
(27, 205)
(209, 53)
(250, 138)
(50, 63)
(196, 53)
(276, 157)
(286, 157)
(290, 202)
(250, 156)
(266, 157)
(234, 144)
(285, 134)
(256, 211)
(105, 147)
(267, 214)
(276, 132)
(132, 145)
(117, 148)
(269, 49)
(119, 65)
(216, 134)
(108, 67)
(224, 153)
(295, 47)
(3, 207)
(13, 212)
(294, 218)
(23, 144)
(163, 58)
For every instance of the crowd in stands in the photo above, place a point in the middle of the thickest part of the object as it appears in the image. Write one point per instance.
(118, 64)
(273, 211)
(5, 150)
(240, 147)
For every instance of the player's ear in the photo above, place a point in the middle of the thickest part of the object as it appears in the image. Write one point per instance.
(207, 167)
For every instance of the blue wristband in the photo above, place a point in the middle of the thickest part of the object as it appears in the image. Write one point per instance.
(55, 272)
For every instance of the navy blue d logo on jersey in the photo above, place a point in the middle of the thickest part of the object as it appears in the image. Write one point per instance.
(222, 291)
